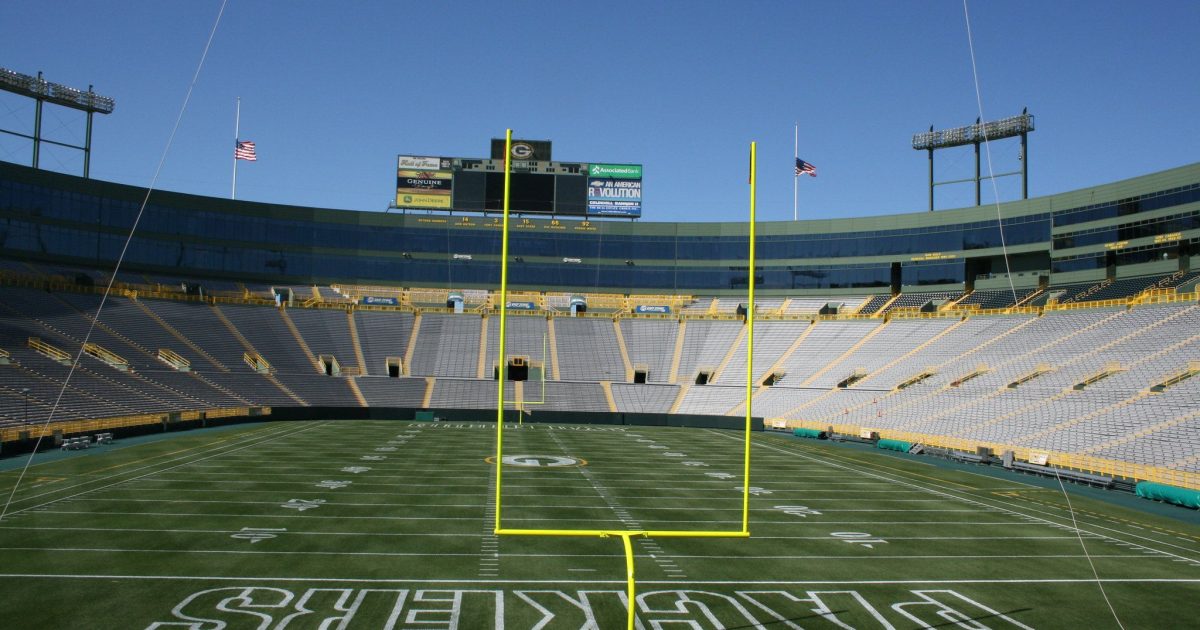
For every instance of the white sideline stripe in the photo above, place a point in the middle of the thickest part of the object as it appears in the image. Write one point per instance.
(488, 556)
(231, 531)
(283, 432)
(215, 578)
(1013, 509)
(372, 534)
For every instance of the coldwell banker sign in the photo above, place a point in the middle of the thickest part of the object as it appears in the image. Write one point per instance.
(615, 189)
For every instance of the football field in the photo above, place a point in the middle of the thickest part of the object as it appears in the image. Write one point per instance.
(387, 524)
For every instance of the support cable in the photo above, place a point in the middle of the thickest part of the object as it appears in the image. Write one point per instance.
(112, 278)
(1004, 250)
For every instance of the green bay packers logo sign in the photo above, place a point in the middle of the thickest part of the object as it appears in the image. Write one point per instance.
(540, 461)
(521, 151)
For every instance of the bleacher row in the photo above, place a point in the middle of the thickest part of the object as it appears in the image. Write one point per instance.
(1073, 380)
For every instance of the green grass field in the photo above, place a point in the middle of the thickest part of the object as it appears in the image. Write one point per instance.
(388, 524)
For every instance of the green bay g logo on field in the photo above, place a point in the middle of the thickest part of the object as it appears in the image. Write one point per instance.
(540, 461)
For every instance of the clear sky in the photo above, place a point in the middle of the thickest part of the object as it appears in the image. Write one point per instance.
(332, 91)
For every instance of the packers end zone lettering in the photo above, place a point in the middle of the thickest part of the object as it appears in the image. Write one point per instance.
(409, 609)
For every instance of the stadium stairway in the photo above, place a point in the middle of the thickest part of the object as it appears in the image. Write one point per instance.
(251, 349)
(411, 349)
(481, 367)
(830, 365)
(911, 353)
(608, 395)
(358, 351)
(790, 413)
(787, 354)
(71, 325)
(291, 326)
(430, 382)
(733, 348)
(552, 340)
(245, 343)
(677, 354)
(178, 335)
(1077, 420)
(283, 388)
(683, 390)
(624, 359)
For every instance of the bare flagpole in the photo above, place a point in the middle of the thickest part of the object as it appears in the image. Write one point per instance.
(236, 131)
(796, 179)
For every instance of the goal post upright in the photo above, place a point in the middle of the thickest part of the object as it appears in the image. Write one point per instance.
(625, 535)
(503, 322)
(749, 340)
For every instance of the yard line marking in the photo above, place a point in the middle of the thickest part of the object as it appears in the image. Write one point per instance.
(1013, 509)
(216, 578)
(90, 481)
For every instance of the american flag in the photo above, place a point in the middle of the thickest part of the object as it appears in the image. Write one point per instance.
(803, 167)
(245, 151)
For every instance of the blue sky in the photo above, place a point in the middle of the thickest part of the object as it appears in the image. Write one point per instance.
(333, 91)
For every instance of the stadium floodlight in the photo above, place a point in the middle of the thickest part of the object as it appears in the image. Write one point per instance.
(43, 91)
(977, 134)
(960, 136)
(624, 535)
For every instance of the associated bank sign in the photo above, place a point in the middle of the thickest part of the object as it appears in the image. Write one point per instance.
(618, 171)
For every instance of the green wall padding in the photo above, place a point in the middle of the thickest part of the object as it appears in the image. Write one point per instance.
(1170, 494)
(894, 445)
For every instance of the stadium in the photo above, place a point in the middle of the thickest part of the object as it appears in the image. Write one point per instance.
(516, 400)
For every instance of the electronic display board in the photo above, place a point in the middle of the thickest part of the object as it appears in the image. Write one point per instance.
(538, 186)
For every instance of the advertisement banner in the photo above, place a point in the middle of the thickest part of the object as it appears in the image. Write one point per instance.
(522, 306)
(385, 301)
(423, 189)
(420, 163)
(619, 197)
(616, 171)
(424, 181)
(649, 308)
(407, 200)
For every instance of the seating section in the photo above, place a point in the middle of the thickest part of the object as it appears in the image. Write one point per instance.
(705, 344)
(382, 335)
(588, 350)
(917, 300)
(651, 343)
(644, 398)
(874, 304)
(1112, 382)
(990, 299)
(447, 345)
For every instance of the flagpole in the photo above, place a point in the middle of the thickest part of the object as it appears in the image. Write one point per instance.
(796, 179)
(237, 121)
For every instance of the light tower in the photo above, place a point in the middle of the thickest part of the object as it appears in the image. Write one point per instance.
(43, 91)
(977, 134)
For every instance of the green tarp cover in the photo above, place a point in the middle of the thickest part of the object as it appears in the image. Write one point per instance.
(894, 445)
(1170, 494)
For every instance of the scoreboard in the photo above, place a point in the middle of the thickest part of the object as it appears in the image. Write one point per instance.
(539, 185)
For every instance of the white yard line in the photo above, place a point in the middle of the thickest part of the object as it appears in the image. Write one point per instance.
(248, 579)
(115, 475)
(1014, 509)
(242, 552)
